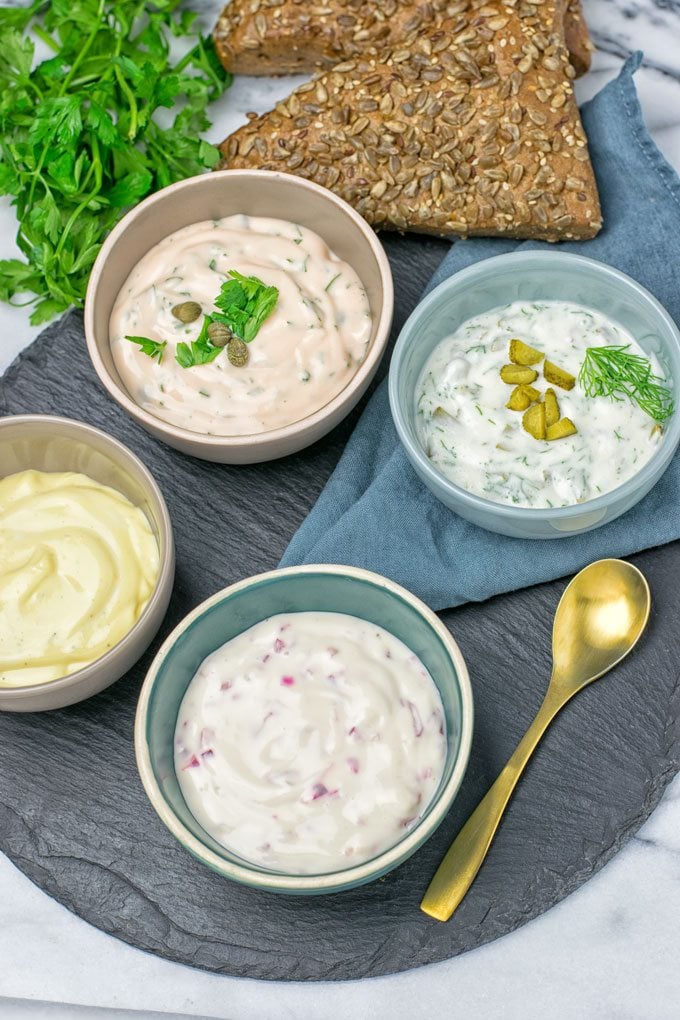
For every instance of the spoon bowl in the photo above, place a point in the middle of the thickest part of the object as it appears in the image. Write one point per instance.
(599, 619)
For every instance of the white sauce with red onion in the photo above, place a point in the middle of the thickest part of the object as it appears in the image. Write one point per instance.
(310, 743)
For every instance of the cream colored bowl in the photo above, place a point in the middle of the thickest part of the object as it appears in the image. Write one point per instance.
(212, 196)
(45, 443)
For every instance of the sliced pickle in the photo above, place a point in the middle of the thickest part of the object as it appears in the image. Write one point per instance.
(517, 374)
(552, 408)
(522, 397)
(558, 376)
(522, 354)
(519, 400)
(533, 421)
(531, 391)
(564, 427)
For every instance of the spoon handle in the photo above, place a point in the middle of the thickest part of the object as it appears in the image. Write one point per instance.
(457, 871)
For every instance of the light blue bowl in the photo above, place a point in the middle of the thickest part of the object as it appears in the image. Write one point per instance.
(230, 612)
(532, 276)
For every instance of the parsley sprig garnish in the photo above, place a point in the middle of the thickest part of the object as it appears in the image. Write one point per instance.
(79, 139)
(154, 348)
(200, 352)
(244, 302)
(614, 372)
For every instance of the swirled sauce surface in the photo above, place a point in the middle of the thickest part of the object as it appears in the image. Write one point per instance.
(304, 354)
(310, 743)
(78, 564)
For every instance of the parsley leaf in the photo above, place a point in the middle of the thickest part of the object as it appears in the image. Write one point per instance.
(245, 302)
(79, 142)
(154, 348)
(200, 352)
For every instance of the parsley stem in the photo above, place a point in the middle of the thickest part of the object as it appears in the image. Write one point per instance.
(97, 163)
(85, 79)
(96, 28)
(46, 38)
(186, 60)
(162, 152)
(134, 110)
(76, 213)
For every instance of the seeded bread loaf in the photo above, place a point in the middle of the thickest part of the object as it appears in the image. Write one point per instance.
(468, 128)
(577, 38)
(276, 37)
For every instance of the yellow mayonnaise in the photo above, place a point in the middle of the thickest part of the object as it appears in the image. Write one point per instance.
(78, 564)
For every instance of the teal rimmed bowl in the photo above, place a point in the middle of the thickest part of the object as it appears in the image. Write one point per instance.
(336, 589)
(532, 276)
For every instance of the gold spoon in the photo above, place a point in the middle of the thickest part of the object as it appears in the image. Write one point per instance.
(599, 620)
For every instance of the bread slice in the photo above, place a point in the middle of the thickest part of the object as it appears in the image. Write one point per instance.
(577, 38)
(275, 37)
(469, 127)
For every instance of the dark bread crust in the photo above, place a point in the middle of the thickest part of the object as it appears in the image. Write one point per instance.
(277, 37)
(470, 127)
(577, 38)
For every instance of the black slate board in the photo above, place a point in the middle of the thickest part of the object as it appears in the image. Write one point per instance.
(74, 818)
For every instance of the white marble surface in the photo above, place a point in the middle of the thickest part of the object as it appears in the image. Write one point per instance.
(608, 951)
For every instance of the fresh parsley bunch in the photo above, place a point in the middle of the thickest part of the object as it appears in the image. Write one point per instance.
(79, 139)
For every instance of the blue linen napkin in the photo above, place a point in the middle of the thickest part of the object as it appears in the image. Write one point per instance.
(376, 513)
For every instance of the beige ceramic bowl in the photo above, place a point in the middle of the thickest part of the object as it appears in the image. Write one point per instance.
(212, 196)
(45, 443)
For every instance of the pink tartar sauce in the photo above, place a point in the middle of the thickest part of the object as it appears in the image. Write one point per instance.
(304, 354)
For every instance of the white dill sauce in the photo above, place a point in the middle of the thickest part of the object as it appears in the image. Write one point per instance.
(304, 354)
(310, 742)
(475, 440)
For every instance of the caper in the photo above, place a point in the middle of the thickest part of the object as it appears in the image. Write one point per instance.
(237, 352)
(188, 311)
(219, 334)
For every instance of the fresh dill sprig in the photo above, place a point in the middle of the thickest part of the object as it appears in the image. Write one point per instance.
(614, 372)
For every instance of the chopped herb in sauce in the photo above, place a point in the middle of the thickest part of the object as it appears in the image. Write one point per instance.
(154, 348)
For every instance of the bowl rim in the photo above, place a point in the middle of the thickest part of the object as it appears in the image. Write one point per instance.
(273, 436)
(473, 274)
(336, 880)
(165, 573)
